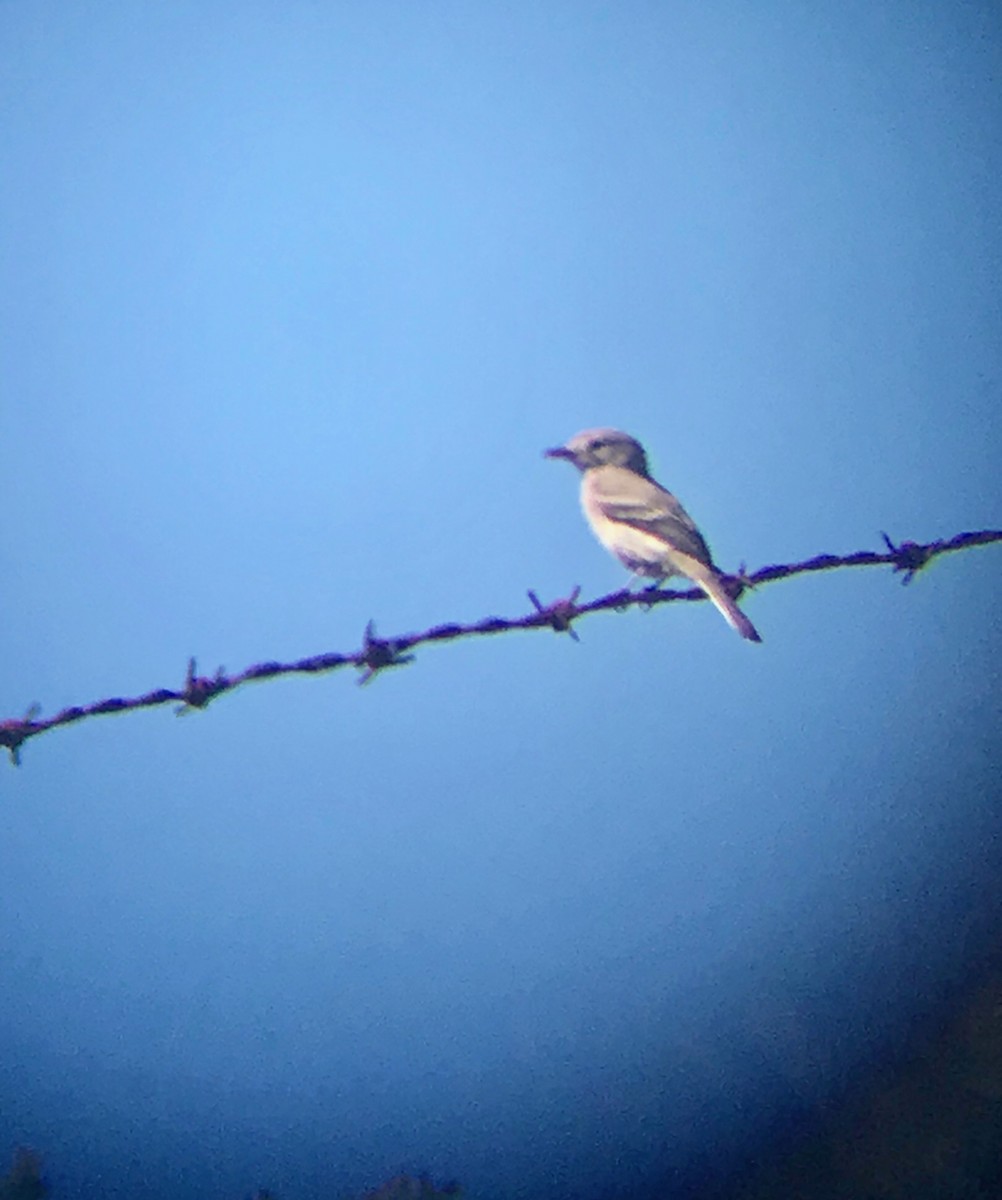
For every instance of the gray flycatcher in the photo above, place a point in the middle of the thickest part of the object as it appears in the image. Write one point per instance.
(640, 522)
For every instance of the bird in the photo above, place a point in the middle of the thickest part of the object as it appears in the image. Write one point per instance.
(640, 522)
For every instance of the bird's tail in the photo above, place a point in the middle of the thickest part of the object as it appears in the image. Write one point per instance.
(714, 587)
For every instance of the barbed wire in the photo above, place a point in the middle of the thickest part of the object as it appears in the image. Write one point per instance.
(377, 654)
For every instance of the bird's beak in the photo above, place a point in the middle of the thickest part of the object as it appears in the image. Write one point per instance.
(559, 452)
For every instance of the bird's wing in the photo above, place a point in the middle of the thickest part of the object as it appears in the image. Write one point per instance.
(622, 495)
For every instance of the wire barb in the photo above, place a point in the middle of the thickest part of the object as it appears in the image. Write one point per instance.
(740, 582)
(377, 654)
(908, 557)
(560, 613)
(200, 689)
(14, 733)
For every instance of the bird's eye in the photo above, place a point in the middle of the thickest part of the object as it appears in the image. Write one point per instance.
(598, 443)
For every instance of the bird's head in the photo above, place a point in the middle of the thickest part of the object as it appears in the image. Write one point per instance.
(602, 448)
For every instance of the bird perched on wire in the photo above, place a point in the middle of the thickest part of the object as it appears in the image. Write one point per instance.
(642, 523)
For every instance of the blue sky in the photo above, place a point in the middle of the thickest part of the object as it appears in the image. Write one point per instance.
(295, 296)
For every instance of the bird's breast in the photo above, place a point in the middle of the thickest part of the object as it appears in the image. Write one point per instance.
(638, 551)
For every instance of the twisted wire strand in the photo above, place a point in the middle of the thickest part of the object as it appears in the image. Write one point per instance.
(377, 654)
